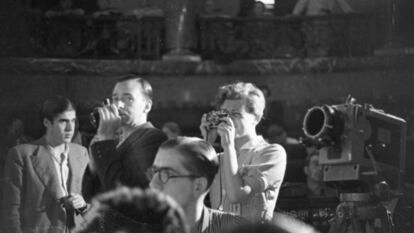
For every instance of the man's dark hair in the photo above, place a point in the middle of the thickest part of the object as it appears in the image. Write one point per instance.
(201, 157)
(55, 106)
(133, 210)
(145, 85)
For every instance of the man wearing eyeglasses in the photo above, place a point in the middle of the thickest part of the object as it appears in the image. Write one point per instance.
(184, 169)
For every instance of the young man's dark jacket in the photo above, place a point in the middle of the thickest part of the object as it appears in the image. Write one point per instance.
(123, 165)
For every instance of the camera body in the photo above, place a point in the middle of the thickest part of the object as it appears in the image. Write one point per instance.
(94, 115)
(94, 118)
(214, 118)
(64, 201)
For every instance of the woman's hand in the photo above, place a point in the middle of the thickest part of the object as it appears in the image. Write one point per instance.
(227, 132)
(209, 134)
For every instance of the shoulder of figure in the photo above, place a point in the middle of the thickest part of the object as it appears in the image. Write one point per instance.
(77, 147)
(153, 132)
(275, 146)
(272, 148)
(25, 148)
(21, 152)
(157, 131)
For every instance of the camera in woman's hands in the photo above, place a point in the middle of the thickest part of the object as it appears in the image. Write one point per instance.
(214, 118)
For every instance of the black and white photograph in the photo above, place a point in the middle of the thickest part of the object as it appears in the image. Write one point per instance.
(206, 116)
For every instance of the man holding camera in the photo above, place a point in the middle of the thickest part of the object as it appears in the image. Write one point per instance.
(251, 170)
(126, 143)
(43, 178)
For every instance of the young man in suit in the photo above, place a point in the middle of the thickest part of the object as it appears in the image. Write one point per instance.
(126, 143)
(43, 178)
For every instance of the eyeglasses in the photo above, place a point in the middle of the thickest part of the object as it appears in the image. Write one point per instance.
(164, 174)
(236, 114)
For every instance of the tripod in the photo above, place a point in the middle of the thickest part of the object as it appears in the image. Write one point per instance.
(361, 213)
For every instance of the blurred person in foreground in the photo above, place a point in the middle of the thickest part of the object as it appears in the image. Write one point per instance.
(251, 170)
(43, 178)
(125, 144)
(184, 169)
(133, 210)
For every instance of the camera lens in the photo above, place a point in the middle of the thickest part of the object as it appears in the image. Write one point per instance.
(94, 118)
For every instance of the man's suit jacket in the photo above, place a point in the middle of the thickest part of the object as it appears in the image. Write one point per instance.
(125, 164)
(31, 193)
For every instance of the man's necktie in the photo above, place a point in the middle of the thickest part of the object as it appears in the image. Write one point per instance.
(63, 173)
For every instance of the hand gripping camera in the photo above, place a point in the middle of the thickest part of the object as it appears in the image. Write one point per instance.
(357, 141)
(94, 118)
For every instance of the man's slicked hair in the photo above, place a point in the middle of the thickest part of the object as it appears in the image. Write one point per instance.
(145, 85)
(55, 106)
(201, 158)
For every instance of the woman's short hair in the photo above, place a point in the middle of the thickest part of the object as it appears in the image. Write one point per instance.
(255, 101)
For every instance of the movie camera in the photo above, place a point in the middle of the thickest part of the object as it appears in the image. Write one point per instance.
(357, 141)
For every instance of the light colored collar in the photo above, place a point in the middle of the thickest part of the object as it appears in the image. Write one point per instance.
(204, 221)
(253, 143)
(56, 152)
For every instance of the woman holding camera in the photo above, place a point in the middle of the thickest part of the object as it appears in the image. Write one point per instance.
(251, 170)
